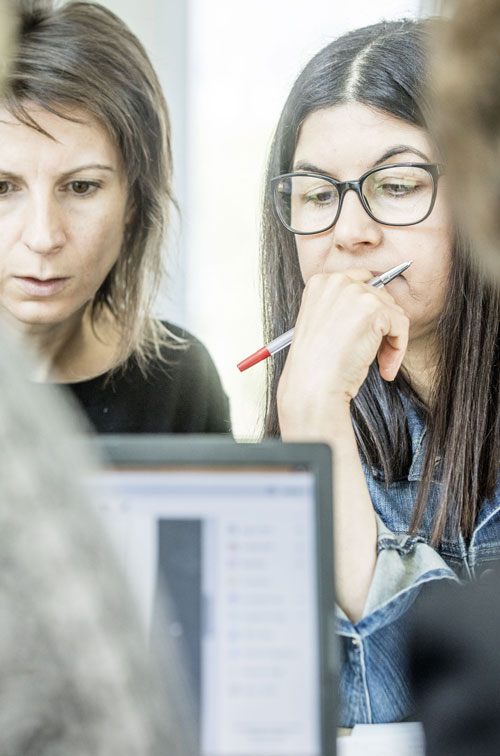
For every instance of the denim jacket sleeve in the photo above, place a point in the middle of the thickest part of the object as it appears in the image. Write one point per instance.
(373, 680)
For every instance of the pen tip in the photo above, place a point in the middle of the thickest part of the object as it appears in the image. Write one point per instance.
(404, 266)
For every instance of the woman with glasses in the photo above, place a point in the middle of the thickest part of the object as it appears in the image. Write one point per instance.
(85, 197)
(401, 381)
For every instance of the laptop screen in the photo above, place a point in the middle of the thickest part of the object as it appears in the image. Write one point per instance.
(229, 551)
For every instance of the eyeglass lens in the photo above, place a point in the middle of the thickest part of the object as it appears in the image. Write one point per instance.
(394, 195)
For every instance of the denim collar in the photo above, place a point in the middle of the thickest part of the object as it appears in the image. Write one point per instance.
(416, 429)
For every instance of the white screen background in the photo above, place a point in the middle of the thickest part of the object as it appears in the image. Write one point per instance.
(259, 646)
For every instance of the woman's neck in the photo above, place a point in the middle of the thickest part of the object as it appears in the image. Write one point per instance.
(71, 351)
(420, 364)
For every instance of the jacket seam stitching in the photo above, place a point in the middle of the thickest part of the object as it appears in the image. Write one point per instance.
(365, 685)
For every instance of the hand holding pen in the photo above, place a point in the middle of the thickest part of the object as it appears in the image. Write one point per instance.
(280, 342)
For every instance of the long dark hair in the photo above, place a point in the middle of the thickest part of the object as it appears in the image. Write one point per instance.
(383, 66)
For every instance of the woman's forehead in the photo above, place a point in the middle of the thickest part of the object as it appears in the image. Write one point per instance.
(354, 132)
(74, 135)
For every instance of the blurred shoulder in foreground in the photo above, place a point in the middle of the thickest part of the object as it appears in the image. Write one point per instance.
(75, 674)
(455, 666)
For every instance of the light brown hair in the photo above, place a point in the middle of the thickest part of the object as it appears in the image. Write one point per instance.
(81, 55)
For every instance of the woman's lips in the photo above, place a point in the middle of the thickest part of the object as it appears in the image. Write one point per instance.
(35, 287)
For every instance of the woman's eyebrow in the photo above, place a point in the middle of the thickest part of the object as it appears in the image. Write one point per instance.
(87, 167)
(90, 166)
(401, 149)
(303, 166)
(6, 174)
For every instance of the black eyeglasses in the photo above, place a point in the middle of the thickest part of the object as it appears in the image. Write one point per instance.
(402, 194)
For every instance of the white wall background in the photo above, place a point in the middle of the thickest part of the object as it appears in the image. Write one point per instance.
(226, 67)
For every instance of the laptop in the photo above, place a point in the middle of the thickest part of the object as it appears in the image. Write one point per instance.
(233, 543)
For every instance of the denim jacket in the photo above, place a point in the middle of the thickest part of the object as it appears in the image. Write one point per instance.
(374, 684)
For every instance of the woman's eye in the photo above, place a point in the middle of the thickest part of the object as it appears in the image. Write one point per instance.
(398, 189)
(321, 198)
(83, 188)
(5, 188)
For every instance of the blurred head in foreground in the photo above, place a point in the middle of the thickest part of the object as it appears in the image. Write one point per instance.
(6, 35)
(454, 663)
(466, 72)
(75, 675)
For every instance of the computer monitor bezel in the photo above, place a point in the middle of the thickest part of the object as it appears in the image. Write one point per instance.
(141, 451)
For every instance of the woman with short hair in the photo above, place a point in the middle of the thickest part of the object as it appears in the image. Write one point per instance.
(85, 197)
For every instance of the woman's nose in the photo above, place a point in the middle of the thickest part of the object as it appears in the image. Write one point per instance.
(43, 225)
(354, 229)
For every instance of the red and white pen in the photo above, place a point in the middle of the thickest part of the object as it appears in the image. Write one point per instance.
(280, 342)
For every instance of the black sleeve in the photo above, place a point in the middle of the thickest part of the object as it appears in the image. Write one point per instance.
(203, 406)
